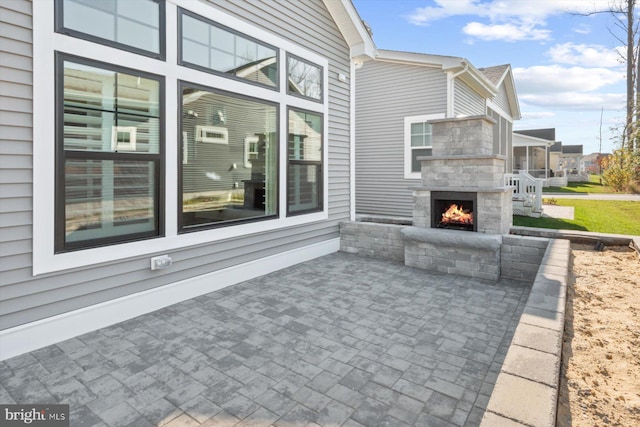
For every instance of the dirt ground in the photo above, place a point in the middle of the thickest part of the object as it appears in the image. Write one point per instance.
(600, 376)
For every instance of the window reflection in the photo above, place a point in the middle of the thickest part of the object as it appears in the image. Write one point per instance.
(229, 165)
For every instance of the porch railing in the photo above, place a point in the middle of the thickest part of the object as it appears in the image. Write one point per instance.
(526, 188)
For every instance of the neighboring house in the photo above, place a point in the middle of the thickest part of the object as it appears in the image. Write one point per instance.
(537, 152)
(570, 158)
(217, 133)
(396, 96)
(532, 152)
(592, 163)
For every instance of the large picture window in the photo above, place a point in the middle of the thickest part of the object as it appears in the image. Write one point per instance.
(304, 169)
(109, 154)
(137, 154)
(232, 181)
(210, 47)
(135, 25)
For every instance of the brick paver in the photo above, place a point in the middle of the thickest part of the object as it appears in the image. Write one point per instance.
(338, 341)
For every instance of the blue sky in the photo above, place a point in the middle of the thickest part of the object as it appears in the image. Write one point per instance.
(566, 67)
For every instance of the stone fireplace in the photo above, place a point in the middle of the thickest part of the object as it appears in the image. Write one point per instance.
(462, 171)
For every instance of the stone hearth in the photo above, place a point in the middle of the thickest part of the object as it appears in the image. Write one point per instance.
(462, 162)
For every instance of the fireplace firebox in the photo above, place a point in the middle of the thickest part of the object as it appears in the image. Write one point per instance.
(454, 210)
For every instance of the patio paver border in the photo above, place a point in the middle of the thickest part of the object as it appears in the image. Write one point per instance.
(526, 390)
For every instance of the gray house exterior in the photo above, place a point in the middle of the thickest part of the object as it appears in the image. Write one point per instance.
(103, 148)
(400, 92)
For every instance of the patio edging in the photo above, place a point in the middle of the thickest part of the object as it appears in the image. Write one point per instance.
(526, 391)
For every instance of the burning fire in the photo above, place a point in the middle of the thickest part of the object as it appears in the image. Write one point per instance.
(456, 215)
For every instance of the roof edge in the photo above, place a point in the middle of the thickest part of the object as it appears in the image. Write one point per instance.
(469, 73)
(352, 28)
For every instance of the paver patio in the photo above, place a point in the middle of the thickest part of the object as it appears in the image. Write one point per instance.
(338, 341)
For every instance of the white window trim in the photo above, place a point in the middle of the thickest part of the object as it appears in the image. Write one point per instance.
(408, 121)
(46, 42)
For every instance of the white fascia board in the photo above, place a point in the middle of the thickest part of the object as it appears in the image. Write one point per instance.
(512, 94)
(439, 61)
(478, 81)
(520, 140)
(352, 28)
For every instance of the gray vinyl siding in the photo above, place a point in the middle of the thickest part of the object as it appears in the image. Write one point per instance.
(386, 93)
(15, 140)
(502, 100)
(24, 298)
(466, 101)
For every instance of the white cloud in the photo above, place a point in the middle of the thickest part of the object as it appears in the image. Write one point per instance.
(536, 116)
(588, 55)
(575, 101)
(505, 32)
(555, 78)
(525, 10)
(556, 88)
(508, 20)
(582, 29)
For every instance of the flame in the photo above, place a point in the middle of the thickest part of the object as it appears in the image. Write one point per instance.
(456, 215)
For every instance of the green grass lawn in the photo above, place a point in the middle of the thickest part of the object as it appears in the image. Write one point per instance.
(601, 216)
(580, 187)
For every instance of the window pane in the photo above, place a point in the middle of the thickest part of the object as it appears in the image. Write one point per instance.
(230, 145)
(416, 164)
(134, 23)
(108, 198)
(91, 17)
(90, 87)
(195, 30)
(101, 106)
(305, 136)
(198, 53)
(304, 78)
(420, 134)
(304, 172)
(137, 95)
(227, 52)
(222, 61)
(417, 128)
(417, 140)
(303, 190)
(138, 35)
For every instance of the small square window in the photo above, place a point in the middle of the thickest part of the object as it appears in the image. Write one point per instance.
(304, 78)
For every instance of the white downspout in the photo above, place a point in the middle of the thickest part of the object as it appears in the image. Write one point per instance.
(451, 78)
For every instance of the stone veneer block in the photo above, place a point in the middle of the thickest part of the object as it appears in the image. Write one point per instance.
(453, 252)
(461, 136)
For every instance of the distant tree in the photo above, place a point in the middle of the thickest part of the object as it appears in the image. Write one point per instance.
(624, 12)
